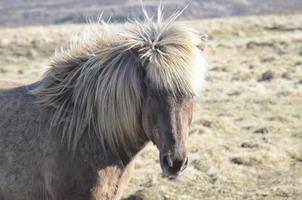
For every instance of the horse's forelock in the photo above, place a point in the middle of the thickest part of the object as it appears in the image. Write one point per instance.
(170, 55)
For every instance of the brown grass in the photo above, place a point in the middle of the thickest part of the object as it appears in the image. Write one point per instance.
(246, 140)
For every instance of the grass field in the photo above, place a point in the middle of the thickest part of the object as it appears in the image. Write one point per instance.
(246, 138)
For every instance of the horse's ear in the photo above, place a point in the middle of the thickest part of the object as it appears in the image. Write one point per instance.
(203, 42)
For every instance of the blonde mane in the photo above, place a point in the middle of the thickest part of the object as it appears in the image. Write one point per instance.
(96, 85)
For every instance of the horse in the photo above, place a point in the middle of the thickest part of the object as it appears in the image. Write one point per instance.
(75, 133)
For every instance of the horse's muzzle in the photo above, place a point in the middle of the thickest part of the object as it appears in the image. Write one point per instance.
(173, 167)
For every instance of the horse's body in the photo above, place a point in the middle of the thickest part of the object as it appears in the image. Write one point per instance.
(73, 135)
(37, 165)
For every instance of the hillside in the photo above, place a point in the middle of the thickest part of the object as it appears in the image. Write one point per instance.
(37, 12)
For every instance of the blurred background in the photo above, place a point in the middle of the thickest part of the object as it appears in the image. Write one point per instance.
(41, 12)
(246, 137)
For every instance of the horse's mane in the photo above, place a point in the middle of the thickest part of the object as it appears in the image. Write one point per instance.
(96, 85)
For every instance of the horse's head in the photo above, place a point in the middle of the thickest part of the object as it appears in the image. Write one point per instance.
(166, 121)
(173, 68)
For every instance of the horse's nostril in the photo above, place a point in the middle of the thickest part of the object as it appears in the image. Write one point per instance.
(167, 161)
(187, 161)
(185, 164)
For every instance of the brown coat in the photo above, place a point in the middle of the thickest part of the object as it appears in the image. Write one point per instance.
(36, 165)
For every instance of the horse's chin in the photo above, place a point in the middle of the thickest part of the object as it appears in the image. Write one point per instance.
(166, 174)
(170, 176)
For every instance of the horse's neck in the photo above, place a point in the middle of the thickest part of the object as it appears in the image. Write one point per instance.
(91, 169)
(92, 152)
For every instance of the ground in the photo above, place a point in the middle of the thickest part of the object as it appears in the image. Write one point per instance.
(246, 137)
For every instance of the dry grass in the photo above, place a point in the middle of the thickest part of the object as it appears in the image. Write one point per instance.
(246, 140)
